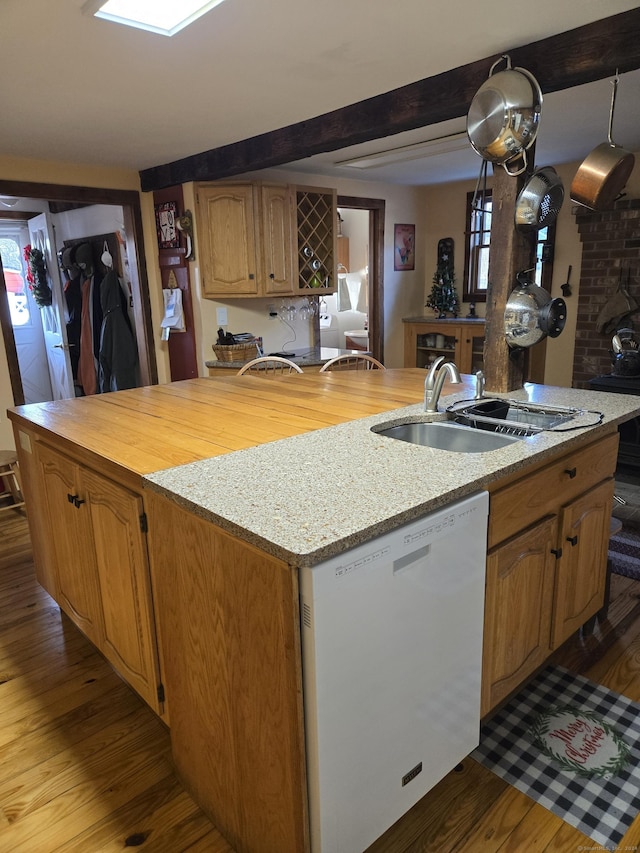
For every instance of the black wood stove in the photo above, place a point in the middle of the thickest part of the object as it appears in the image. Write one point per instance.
(629, 450)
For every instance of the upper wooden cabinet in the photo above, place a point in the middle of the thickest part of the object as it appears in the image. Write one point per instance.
(278, 239)
(344, 259)
(246, 239)
(266, 239)
(317, 219)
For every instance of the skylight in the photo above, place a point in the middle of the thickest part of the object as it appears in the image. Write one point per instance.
(158, 16)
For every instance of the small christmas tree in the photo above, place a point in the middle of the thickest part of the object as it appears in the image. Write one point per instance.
(443, 296)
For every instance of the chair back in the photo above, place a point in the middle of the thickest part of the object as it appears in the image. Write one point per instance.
(353, 362)
(269, 366)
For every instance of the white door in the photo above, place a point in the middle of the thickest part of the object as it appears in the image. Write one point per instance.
(32, 358)
(53, 316)
(24, 315)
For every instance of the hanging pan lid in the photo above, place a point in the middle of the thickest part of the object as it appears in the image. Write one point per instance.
(539, 200)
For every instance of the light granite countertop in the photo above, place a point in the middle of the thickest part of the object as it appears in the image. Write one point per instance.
(307, 498)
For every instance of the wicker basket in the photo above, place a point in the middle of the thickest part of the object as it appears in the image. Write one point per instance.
(235, 352)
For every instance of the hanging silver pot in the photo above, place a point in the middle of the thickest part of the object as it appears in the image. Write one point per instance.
(539, 200)
(502, 122)
(605, 171)
(531, 314)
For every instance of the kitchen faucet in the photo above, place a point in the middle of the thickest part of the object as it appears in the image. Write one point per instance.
(436, 379)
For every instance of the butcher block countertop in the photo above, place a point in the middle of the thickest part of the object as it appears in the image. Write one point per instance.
(143, 430)
(291, 464)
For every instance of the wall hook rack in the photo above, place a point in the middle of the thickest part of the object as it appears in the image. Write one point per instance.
(184, 224)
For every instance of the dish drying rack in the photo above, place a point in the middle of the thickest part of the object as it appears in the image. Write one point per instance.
(514, 417)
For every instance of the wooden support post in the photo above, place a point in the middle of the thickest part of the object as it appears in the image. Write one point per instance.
(509, 253)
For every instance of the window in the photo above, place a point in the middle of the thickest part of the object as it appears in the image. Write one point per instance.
(12, 268)
(478, 239)
(544, 256)
(476, 261)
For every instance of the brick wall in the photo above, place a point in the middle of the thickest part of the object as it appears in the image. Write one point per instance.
(610, 254)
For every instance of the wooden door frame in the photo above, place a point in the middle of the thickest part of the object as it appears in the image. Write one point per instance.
(129, 200)
(376, 208)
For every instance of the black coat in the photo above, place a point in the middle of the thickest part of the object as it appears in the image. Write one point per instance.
(118, 351)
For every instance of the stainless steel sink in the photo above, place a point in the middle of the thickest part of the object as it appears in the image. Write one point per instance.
(447, 436)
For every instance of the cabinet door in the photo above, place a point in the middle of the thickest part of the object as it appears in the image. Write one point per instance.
(344, 258)
(226, 232)
(518, 605)
(129, 643)
(424, 342)
(582, 569)
(69, 533)
(464, 344)
(471, 348)
(277, 240)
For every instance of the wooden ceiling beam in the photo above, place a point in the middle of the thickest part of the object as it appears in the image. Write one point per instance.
(582, 55)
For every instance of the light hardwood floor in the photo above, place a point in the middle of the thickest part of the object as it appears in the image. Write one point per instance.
(85, 766)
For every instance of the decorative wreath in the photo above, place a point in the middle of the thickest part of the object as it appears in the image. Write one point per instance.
(37, 276)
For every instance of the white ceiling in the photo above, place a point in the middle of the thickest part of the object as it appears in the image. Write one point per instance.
(79, 89)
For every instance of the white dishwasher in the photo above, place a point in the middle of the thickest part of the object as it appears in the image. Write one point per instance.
(392, 654)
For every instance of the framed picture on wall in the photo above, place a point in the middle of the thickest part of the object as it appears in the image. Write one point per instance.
(166, 216)
(404, 246)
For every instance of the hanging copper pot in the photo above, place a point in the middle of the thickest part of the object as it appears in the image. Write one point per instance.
(605, 171)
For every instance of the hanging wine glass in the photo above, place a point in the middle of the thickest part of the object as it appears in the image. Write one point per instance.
(306, 310)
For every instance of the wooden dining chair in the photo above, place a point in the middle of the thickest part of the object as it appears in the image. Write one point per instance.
(10, 476)
(269, 365)
(353, 362)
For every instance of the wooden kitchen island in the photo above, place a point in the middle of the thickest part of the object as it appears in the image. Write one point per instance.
(178, 557)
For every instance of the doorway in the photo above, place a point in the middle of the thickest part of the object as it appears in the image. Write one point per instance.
(24, 315)
(374, 267)
(61, 198)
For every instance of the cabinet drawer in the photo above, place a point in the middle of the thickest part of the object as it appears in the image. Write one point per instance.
(544, 491)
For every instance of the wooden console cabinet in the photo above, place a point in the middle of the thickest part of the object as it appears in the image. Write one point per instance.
(458, 340)
(546, 563)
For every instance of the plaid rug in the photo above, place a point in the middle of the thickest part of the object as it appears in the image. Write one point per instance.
(574, 747)
(624, 553)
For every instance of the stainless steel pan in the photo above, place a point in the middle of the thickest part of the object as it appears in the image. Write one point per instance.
(539, 200)
(531, 314)
(502, 122)
(605, 171)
